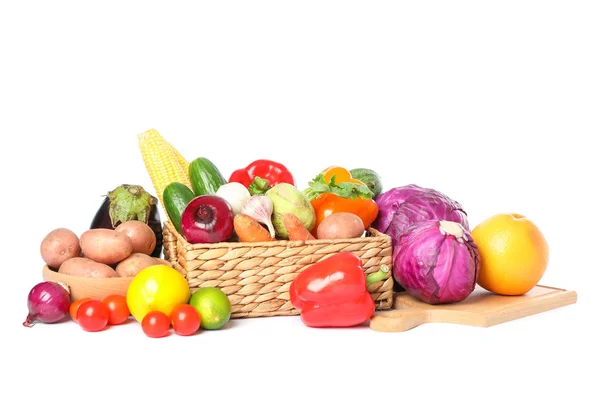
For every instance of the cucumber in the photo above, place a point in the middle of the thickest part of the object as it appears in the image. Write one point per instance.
(369, 178)
(176, 197)
(205, 177)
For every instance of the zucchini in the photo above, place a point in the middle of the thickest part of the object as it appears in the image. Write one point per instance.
(176, 197)
(369, 178)
(205, 177)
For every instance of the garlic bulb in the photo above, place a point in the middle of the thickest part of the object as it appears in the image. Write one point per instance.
(260, 208)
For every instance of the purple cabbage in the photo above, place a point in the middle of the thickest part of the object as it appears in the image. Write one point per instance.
(402, 207)
(437, 262)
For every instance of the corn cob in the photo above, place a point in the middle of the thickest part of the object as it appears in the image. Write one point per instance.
(185, 164)
(161, 162)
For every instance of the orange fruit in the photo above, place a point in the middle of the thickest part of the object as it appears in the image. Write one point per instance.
(514, 254)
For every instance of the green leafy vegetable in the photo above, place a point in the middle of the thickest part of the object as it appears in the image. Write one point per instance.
(346, 190)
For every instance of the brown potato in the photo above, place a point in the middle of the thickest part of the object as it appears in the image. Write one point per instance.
(341, 225)
(58, 246)
(163, 261)
(81, 266)
(106, 246)
(142, 236)
(134, 264)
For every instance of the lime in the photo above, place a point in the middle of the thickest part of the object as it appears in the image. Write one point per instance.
(156, 288)
(213, 305)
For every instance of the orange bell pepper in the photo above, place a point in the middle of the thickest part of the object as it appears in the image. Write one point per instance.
(334, 190)
(341, 175)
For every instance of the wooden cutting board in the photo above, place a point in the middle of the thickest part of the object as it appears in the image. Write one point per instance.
(481, 308)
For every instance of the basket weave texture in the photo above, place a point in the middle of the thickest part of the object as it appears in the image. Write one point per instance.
(257, 276)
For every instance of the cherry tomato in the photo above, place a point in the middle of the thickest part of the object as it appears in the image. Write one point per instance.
(75, 306)
(156, 324)
(93, 315)
(185, 319)
(117, 307)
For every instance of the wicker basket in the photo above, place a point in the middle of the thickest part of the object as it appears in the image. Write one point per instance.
(256, 276)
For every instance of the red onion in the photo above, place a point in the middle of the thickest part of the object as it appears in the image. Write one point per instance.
(48, 302)
(207, 219)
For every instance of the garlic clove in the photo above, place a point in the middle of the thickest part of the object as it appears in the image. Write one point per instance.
(260, 208)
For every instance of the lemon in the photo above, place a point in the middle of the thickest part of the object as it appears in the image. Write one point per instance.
(213, 305)
(158, 287)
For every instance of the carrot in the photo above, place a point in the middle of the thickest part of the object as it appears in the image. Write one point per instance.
(250, 230)
(295, 229)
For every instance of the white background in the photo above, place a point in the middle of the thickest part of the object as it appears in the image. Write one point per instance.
(495, 104)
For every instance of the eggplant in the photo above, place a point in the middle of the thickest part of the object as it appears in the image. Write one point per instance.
(127, 203)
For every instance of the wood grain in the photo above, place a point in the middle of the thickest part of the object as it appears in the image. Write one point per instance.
(481, 309)
(95, 288)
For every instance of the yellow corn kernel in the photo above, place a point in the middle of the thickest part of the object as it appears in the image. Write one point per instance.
(185, 164)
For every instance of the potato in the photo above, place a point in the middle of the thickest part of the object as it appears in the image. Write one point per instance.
(106, 246)
(58, 246)
(142, 236)
(163, 261)
(341, 225)
(81, 266)
(134, 264)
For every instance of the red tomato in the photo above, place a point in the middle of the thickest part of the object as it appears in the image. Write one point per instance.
(75, 306)
(93, 315)
(185, 319)
(117, 307)
(156, 324)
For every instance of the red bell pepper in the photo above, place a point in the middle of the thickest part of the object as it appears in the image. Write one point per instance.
(260, 175)
(333, 292)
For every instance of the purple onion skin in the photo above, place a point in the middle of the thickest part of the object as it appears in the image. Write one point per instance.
(436, 267)
(207, 219)
(402, 207)
(48, 302)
